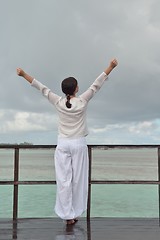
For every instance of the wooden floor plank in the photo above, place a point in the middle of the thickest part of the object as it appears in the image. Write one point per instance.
(96, 229)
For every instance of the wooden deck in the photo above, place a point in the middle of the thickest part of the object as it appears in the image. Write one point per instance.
(96, 229)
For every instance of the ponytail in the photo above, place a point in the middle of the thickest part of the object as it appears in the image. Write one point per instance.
(68, 104)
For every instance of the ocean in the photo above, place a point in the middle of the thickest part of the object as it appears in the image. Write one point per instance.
(111, 200)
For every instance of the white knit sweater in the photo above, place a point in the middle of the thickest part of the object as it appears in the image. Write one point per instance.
(72, 121)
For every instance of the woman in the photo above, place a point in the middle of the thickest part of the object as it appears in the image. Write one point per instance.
(71, 154)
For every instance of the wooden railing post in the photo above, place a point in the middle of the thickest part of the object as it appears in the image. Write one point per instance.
(16, 177)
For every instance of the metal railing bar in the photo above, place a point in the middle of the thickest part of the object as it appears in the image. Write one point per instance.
(124, 146)
(159, 180)
(23, 146)
(89, 183)
(159, 163)
(34, 182)
(26, 182)
(125, 182)
(16, 175)
(6, 182)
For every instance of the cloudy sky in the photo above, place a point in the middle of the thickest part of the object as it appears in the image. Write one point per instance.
(54, 39)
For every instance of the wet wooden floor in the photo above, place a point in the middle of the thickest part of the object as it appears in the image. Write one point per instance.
(96, 229)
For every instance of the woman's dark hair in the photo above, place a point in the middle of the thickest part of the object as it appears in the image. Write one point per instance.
(68, 87)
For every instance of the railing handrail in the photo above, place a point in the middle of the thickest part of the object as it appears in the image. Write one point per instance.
(20, 146)
(16, 181)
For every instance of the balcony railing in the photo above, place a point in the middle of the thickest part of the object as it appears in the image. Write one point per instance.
(16, 182)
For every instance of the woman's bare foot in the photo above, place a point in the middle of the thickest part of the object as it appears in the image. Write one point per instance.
(71, 221)
(76, 220)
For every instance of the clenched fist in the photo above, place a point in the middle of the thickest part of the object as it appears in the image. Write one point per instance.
(20, 72)
(114, 63)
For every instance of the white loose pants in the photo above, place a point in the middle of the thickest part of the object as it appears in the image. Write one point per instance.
(71, 166)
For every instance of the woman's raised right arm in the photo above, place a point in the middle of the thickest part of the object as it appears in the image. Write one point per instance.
(97, 84)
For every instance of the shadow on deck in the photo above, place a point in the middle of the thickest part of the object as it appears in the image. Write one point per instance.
(95, 229)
